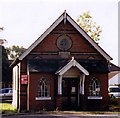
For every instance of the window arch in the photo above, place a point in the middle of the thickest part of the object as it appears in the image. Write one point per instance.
(43, 88)
(94, 87)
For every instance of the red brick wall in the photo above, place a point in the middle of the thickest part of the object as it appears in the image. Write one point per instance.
(59, 100)
(103, 78)
(79, 42)
(33, 88)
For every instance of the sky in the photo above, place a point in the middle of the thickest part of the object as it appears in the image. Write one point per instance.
(24, 21)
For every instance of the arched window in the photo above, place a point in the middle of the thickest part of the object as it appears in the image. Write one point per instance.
(43, 88)
(94, 87)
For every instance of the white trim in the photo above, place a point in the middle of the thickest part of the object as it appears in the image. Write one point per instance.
(75, 25)
(95, 97)
(43, 98)
(65, 17)
(81, 68)
(60, 85)
(65, 68)
(80, 84)
(73, 63)
(83, 82)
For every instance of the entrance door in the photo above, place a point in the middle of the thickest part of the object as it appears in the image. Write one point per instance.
(70, 93)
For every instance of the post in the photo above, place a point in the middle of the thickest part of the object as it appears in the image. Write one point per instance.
(80, 85)
(79, 91)
(60, 84)
(83, 82)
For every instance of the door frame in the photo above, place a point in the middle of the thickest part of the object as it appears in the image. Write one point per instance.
(69, 95)
(81, 85)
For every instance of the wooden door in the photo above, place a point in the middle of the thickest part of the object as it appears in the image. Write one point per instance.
(70, 93)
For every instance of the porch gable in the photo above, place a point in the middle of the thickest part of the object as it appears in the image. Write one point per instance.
(72, 63)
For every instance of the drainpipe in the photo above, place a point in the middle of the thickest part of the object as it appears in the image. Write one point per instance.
(28, 88)
(18, 87)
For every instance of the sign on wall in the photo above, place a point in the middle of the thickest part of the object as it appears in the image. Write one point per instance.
(24, 79)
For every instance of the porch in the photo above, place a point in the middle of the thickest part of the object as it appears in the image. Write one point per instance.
(71, 86)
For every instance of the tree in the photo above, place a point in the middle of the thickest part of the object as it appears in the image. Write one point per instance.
(5, 75)
(6, 71)
(15, 51)
(91, 28)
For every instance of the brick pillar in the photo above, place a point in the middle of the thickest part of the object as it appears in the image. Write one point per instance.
(23, 97)
(59, 102)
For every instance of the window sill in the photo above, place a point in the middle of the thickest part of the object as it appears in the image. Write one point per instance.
(95, 97)
(43, 98)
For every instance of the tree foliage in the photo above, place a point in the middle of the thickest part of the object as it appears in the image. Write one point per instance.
(6, 71)
(5, 63)
(91, 28)
(15, 51)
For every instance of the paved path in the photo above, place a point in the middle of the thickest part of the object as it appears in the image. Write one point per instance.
(62, 116)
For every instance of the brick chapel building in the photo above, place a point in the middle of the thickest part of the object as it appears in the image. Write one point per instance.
(63, 69)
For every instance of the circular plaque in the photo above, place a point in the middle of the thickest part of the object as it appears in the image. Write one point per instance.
(64, 43)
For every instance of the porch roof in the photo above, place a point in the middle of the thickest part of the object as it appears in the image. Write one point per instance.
(72, 63)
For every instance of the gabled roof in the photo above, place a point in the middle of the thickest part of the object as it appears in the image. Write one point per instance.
(65, 17)
(113, 70)
(72, 63)
(113, 67)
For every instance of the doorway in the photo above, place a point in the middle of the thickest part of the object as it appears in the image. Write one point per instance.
(70, 93)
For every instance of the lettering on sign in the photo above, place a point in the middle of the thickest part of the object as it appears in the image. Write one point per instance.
(24, 79)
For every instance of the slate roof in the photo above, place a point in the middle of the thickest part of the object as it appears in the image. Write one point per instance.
(53, 65)
(72, 63)
(113, 67)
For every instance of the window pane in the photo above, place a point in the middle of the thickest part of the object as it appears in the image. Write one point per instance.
(43, 88)
(94, 87)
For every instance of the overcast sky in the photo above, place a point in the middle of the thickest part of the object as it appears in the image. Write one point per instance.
(24, 21)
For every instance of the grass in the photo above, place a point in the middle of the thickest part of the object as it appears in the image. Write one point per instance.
(6, 108)
(114, 104)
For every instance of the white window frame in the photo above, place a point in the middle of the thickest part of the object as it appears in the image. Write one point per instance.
(43, 98)
(95, 97)
(94, 87)
(43, 90)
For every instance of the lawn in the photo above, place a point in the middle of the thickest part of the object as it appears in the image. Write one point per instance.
(6, 108)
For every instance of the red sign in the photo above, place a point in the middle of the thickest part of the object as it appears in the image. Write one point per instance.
(24, 79)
